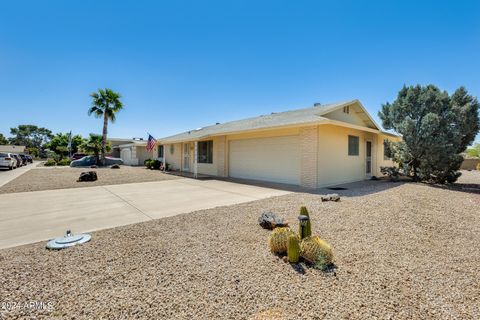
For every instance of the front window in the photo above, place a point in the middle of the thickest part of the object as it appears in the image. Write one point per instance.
(205, 151)
(353, 143)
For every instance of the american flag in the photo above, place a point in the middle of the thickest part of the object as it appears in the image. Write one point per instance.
(151, 143)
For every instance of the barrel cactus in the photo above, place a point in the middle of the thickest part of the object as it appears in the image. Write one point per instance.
(293, 250)
(316, 251)
(279, 239)
(307, 230)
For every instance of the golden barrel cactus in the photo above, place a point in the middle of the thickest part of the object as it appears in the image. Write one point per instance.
(316, 251)
(278, 240)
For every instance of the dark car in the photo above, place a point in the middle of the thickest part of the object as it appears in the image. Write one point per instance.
(77, 156)
(24, 159)
(29, 158)
(19, 160)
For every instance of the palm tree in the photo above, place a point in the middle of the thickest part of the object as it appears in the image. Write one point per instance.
(106, 103)
(94, 145)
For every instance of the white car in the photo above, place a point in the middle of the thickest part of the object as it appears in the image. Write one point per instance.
(7, 161)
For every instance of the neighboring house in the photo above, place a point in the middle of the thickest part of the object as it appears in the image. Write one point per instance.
(313, 147)
(12, 149)
(133, 152)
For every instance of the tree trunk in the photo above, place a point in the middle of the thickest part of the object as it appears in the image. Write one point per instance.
(415, 176)
(104, 137)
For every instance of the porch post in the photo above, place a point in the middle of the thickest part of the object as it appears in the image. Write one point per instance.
(195, 160)
(164, 158)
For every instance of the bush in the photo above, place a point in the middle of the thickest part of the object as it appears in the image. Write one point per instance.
(478, 166)
(49, 163)
(392, 172)
(64, 162)
(156, 164)
(148, 163)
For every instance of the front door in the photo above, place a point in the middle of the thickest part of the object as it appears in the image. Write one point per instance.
(368, 160)
(186, 157)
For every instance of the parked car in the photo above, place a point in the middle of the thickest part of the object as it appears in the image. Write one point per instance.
(24, 159)
(29, 158)
(77, 156)
(7, 161)
(18, 159)
(90, 161)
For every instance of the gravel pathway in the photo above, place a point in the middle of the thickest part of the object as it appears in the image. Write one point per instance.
(49, 178)
(403, 251)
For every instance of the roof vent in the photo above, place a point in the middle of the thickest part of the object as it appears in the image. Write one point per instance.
(317, 104)
(68, 240)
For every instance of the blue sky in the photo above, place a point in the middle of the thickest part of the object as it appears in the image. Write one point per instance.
(186, 64)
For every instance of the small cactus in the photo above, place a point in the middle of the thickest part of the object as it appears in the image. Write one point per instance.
(316, 251)
(307, 230)
(293, 249)
(278, 239)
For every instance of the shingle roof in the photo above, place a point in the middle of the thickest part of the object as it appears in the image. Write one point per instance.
(287, 118)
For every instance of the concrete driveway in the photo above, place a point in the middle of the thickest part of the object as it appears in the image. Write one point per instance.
(8, 175)
(42, 215)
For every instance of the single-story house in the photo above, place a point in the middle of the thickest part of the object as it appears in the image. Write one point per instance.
(313, 147)
(133, 152)
(12, 149)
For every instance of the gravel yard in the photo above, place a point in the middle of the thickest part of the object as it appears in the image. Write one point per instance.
(49, 178)
(403, 251)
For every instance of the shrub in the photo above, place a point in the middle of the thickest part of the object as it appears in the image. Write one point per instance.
(156, 164)
(392, 172)
(316, 251)
(63, 162)
(278, 239)
(148, 163)
(49, 163)
(478, 166)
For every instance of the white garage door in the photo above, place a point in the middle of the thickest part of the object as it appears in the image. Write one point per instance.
(126, 155)
(274, 159)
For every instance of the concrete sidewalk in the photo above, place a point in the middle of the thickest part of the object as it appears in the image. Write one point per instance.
(35, 216)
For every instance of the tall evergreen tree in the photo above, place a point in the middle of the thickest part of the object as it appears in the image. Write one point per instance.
(435, 128)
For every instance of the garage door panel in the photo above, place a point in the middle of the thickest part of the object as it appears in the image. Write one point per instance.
(274, 159)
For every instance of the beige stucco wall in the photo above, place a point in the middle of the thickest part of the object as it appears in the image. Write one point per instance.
(143, 154)
(335, 166)
(351, 117)
(175, 158)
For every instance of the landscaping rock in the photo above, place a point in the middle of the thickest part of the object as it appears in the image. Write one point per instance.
(87, 176)
(115, 166)
(331, 197)
(269, 220)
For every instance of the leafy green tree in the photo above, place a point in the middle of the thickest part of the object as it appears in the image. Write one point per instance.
(94, 145)
(436, 128)
(474, 151)
(59, 143)
(105, 104)
(3, 140)
(30, 136)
